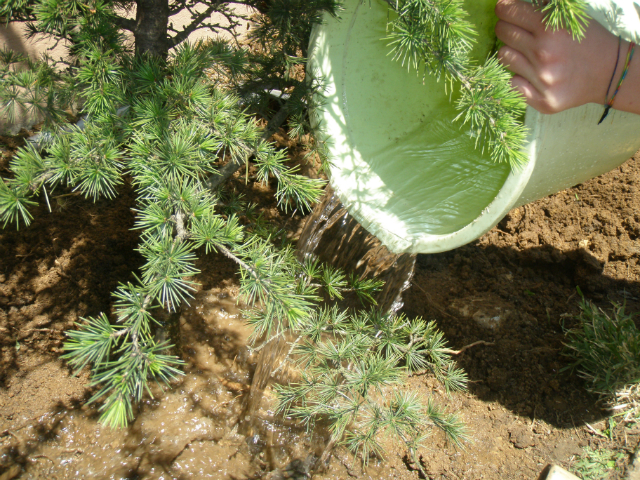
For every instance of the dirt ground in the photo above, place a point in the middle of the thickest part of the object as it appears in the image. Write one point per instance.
(513, 289)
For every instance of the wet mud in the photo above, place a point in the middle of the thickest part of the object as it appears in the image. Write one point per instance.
(513, 289)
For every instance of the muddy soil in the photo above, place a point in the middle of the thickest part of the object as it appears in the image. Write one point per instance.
(513, 289)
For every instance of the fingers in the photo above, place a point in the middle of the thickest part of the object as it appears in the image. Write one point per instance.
(520, 14)
(519, 64)
(526, 81)
(523, 86)
(533, 97)
(516, 27)
(515, 37)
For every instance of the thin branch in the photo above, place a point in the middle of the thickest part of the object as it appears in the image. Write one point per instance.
(192, 27)
(458, 352)
(595, 431)
(244, 265)
(121, 332)
(214, 27)
(177, 7)
(451, 352)
(251, 4)
(125, 23)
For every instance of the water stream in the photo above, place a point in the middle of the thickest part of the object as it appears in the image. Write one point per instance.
(268, 359)
(336, 238)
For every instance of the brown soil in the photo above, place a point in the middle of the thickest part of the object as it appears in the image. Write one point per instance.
(512, 289)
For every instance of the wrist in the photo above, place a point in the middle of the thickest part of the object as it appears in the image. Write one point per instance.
(610, 72)
(627, 96)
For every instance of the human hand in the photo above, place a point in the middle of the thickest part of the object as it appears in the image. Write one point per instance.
(553, 71)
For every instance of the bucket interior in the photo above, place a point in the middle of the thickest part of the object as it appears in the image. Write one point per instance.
(405, 161)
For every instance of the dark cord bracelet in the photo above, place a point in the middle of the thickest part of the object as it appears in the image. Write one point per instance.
(609, 103)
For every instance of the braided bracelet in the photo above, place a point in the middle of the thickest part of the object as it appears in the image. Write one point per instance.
(609, 104)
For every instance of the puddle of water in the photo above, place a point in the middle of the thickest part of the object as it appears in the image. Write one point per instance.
(189, 431)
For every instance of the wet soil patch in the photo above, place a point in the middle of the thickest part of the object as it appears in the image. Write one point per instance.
(513, 289)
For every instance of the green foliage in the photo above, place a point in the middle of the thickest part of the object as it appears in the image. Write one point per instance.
(38, 91)
(436, 37)
(568, 14)
(596, 464)
(351, 368)
(492, 110)
(605, 350)
(122, 357)
(173, 122)
(167, 123)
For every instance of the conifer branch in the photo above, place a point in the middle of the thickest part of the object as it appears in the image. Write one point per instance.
(570, 15)
(435, 37)
(344, 370)
(226, 172)
(124, 23)
(227, 253)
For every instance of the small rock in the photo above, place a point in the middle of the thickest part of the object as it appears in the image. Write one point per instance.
(489, 312)
(490, 319)
(521, 437)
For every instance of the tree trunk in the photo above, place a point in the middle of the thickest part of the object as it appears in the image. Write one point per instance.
(152, 19)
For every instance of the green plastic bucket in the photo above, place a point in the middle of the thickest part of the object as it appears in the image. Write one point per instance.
(408, 173)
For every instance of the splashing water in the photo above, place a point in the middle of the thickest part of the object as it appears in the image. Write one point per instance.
(336, 238)
(269, 357)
